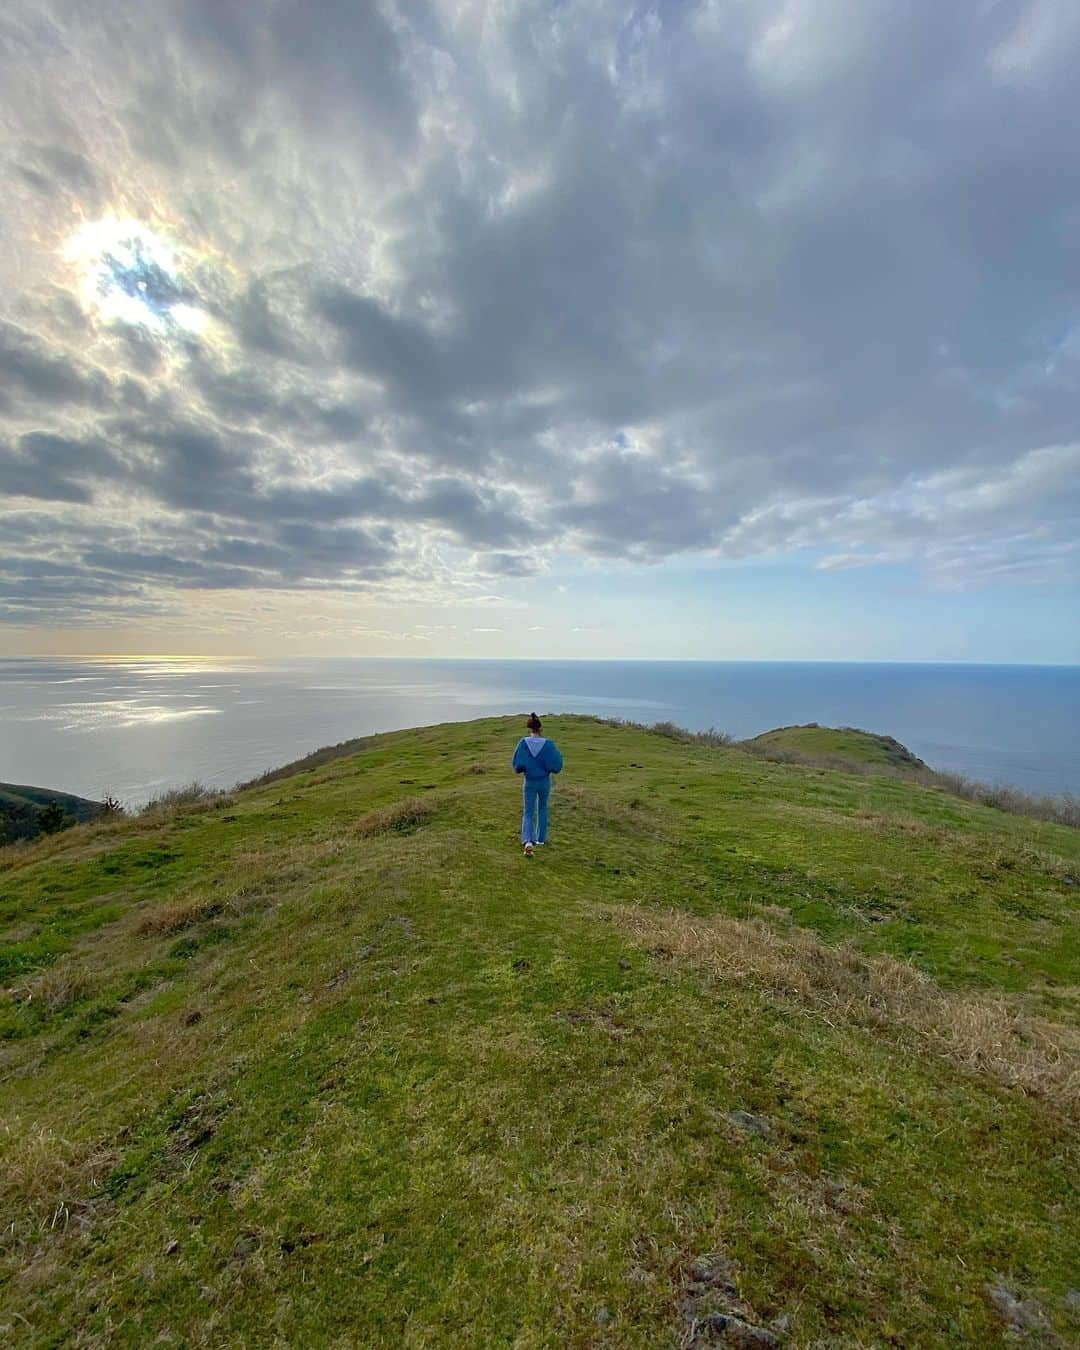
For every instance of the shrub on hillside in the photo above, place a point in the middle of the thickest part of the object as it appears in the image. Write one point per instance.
(54, 818)
(191, 794)
(675, 733)
(1063, 810)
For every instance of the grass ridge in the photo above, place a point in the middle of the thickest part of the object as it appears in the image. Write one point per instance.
(749, 1050)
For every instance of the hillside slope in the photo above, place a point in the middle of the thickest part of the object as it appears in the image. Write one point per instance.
(751, 1053)
(22, 807)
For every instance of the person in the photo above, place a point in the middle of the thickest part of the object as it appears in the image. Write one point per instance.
(537, 758)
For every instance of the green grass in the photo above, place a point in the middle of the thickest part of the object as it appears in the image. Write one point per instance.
(328, 1062)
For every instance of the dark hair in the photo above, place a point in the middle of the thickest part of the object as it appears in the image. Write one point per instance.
(533, 724)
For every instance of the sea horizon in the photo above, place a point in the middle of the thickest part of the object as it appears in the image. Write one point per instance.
(135, 726)
(532, 660)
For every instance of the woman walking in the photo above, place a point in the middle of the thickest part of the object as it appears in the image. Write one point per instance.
(537, 758)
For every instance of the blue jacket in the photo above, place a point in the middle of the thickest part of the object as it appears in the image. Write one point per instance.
(538, 766)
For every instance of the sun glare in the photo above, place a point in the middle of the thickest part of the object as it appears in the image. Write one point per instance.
(130, 274)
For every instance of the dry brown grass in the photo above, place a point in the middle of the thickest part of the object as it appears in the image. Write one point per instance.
(610, 811)
(180, 914)
(176, 799)
(264, 874)
(895, 823)
(57, 987)
(46, 1181)
(983, 1033)
(408, 814)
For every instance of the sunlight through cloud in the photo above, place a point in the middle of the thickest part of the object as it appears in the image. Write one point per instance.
(130, 274)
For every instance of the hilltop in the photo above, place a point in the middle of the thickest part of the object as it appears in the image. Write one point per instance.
(754, 1053)
(837, 747)
(23, 808)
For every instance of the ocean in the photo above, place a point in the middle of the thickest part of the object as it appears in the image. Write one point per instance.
(134, 726)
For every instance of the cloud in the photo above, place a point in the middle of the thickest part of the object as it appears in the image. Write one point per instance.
(504, 564)
(483, 287)
(32, 370)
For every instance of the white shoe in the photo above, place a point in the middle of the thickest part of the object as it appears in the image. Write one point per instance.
(540, 843)
(528, 850)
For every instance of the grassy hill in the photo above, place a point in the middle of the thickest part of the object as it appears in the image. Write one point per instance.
(837, 747)
(21, 809)
(752, 1053)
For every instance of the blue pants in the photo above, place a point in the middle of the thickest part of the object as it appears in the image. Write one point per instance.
(534, 819)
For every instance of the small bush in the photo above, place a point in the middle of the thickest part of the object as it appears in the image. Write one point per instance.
(712, 737)
(54, 819)
(674, 733)
(188, 795)
(403, 817)
(1063, 810)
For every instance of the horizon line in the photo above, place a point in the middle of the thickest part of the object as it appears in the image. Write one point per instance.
(544, 660)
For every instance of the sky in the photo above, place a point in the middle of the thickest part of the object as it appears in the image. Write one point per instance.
(716, 330)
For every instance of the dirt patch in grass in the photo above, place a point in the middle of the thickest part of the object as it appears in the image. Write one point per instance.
(606, 1018)
(713, 1310)
(401, 818)
(399, 925)
(983, 1033)
(197, 1123)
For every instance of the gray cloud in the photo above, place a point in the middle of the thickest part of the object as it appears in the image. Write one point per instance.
(30, 369)
(623, 282)
(52, 169)
(54, 468)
